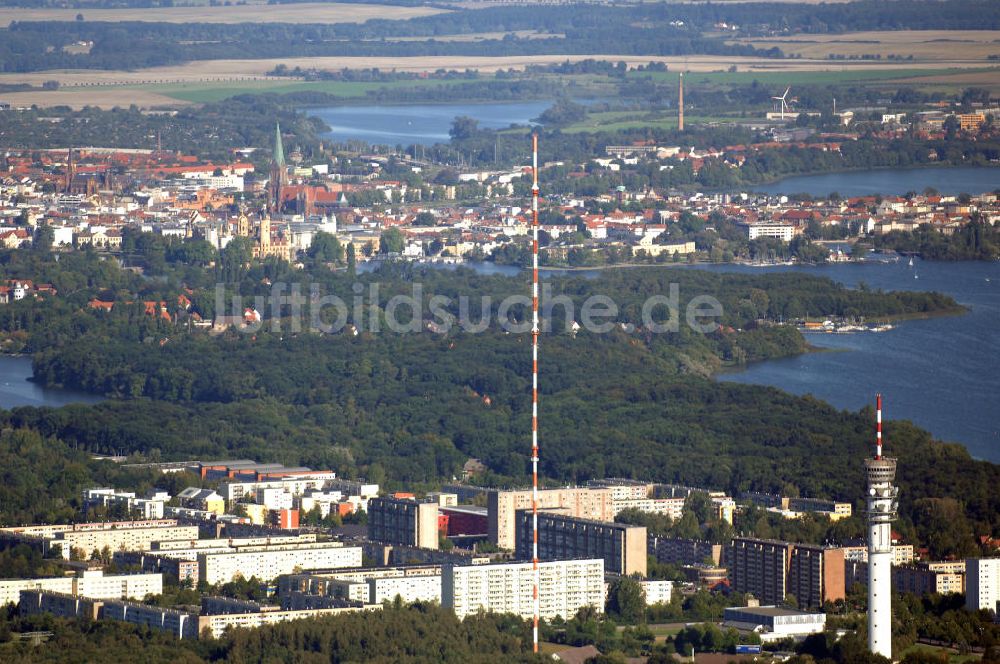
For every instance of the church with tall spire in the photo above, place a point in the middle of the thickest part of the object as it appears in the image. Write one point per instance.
(278, 178)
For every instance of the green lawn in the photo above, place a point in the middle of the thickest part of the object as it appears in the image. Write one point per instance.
(952, 657)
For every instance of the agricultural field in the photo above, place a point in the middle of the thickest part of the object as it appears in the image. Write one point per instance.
(213, 80)
(954, 82)
(872, 73)
(922, 45)
(618, 120)
(481, 36)
(306, 12)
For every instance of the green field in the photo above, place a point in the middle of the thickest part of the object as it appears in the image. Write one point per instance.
(212, 91)
(618, 120)
(779, 78)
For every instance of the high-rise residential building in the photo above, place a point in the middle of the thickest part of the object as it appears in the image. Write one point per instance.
(680, 551)
(585, 502)
(565, 586)
(403, 521)
(267, 563)
(816, 575)
(85, 538)
(622, 547)
(770, 569)
(759, 567)
(982, 584)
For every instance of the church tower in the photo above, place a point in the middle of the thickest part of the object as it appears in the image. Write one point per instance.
(70, 171)
(264, 242)
(279, 174)
(243, 225)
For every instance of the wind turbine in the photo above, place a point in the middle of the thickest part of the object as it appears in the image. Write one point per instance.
(783, 101)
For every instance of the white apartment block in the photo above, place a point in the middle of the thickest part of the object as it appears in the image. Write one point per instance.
(145, 508)
(902, 554)
(672, 507)
(624, 489)
(781, 231)
(233, 491)
(89, 583)
(565, 587)
(657, 592)
(319, 499)
(275, 498)
(218, 624)
(268, 563)
(181, 624)
(982, 584)
(225, 544)
(369, 585)
(407, 588)
(121, 538)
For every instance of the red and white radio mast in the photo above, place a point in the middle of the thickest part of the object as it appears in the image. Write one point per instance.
(534, 385)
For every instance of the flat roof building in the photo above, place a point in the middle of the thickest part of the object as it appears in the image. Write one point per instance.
(87, 583)
(982, 584)
(584, 502)
(403, 521)
(774, 623)
(565, 587)
(85, 538)
(267, 563)
(621, 546)
(771, 569)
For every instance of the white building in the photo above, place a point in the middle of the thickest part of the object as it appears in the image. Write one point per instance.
(408, 588)
(89, 583)
(218, 624)
(268, 563)
(774, 623)
(982, 584)
(672, 507)
(657, 592)
(565, 587)
(144, 508)
(116, 536)
(781, 231)
(298, 485)
(275, 498)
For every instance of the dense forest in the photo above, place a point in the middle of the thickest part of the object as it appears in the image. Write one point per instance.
(411, 408)
(639, 29)
(420, 634)
(210, 131)
(38, 46)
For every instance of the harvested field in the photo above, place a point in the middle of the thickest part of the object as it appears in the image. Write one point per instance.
(251, 13)
(957, 81)
(923, 45)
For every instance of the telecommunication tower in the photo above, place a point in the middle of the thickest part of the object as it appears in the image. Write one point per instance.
(882, 504)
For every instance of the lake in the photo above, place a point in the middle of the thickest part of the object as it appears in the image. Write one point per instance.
(424, 124)
(970, 180)
(942, 373)
(16, 389)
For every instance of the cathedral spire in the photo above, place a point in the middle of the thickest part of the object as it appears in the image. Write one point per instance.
(279, 149)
